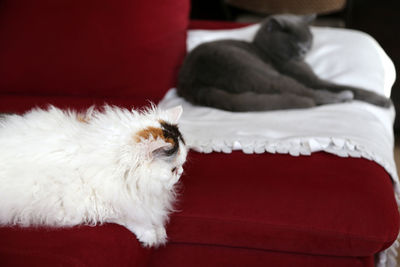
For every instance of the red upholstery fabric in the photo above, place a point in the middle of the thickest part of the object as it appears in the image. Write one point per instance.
(214, 25)
(101, 246)
(22, 103)
(320, 204)
(91, 48)
(217, 256)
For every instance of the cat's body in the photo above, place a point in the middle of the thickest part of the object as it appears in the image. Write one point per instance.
(64, 168)
(268, 73)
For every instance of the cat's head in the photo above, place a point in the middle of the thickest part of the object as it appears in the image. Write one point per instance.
(144, 149)
(161, 146)
(285, 36)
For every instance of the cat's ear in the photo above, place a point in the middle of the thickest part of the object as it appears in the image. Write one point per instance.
(174, 114)
(273, 24)
(308, 19)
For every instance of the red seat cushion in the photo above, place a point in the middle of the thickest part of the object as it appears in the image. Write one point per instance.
(319, 204)
(96, 47)
(177, 255)
(107, 245)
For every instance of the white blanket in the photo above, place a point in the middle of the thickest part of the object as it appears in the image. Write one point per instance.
(355, 129)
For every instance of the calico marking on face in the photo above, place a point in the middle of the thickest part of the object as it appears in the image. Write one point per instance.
(151, 131)
(171, 131)
(168, 132)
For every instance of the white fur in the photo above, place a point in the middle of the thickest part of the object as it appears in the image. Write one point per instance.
(57, 170)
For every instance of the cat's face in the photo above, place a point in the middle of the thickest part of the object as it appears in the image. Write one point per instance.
(163, 148)
(286, 36)
(175, 154)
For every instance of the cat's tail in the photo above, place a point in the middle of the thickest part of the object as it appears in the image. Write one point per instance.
(363, 95)
(247, 101)
(372, 98)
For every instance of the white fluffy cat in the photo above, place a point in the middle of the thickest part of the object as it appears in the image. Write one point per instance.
(63, 168)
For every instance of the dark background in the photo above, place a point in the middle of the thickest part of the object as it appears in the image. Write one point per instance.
(379, 18)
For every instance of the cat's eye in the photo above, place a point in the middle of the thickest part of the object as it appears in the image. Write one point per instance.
(173, 169)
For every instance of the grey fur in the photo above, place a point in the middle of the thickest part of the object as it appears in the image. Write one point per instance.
(267, 74)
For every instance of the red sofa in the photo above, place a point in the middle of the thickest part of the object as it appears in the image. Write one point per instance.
(234, 209)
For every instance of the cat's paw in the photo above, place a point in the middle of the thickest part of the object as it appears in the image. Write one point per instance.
(161, 235)
(152, 237)
(147, 237)
(326, 97)
(345, 96)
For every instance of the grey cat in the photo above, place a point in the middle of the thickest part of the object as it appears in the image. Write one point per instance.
(268, 73)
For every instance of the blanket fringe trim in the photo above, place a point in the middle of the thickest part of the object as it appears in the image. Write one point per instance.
(305, 146)
(388, 257)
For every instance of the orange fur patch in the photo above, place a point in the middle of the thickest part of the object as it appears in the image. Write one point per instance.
(154, 132)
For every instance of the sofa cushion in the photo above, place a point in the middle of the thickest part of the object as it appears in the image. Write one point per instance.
(177, 255)
(84, 48)
(319, 204)
(107, 245)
